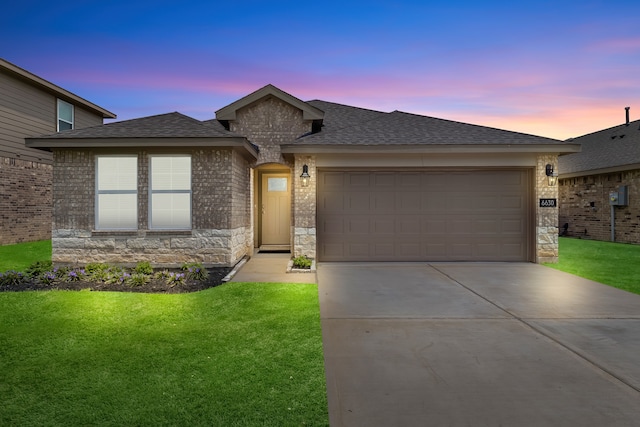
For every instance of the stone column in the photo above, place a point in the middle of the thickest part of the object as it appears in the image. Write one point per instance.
(546, 217)
(304, 213)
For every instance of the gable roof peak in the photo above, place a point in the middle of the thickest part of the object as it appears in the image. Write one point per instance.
(309, 112)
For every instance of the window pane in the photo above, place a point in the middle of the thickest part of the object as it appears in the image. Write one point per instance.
(276, 184)
(171, 173)
(171, 210)
(117, 173)
(117, 211)
(65, 111)
(64, 126)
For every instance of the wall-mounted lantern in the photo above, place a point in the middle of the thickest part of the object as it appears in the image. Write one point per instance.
(552, 175)
(305, 176)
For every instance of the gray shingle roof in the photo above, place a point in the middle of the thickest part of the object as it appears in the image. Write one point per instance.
(338, 116)
(170, 125)
(609, 148)
(399, 128)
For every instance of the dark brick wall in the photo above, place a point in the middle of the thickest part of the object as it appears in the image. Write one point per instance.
(213, 180)
(240, 192)
(211, 188)
(73, 190)
(268, 124)
(220, 232)
(577, 195)
(25, 201)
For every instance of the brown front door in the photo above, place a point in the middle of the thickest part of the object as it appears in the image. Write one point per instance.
(276, 209)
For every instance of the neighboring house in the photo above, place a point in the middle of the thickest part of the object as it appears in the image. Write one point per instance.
(610, 159)
(330, 181)
(31, 106)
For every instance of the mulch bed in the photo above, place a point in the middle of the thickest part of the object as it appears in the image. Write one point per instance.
(156, 286)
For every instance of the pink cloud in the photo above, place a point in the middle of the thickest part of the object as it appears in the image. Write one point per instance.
(618, 45)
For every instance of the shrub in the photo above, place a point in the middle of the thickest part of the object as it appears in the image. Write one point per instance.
(48, 277)
(12, 278)
(137, 279)
(75, 275)
(143, 267)
(61, 272)
(302, 262)
(116, 275)
(195, 271)
(38, 268)
(176, 279)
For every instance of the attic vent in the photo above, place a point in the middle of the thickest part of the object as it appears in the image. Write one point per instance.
(613, 137)
(621, 136)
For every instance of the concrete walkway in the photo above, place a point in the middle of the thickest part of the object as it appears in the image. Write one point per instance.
(271, 267)
(477, 344)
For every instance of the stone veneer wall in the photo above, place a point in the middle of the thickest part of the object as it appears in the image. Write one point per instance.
(25, 201)
(304, 202)
(546, 218)
(221, 228)
(584, 205)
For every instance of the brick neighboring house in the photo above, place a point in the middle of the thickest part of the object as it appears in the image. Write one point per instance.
(610, 158)
(31, 106)
(330, 181)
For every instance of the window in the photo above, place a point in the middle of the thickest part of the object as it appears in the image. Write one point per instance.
(117, 193)
(170, 193)
(65, 115)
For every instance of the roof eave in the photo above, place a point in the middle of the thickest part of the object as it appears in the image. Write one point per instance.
(613, 169)
(238, 144)
(55, 89)
(432, 148)
(309, 112)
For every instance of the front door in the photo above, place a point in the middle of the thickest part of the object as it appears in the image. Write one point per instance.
(276, 209)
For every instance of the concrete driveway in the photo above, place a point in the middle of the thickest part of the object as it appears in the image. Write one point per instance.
(477, 344)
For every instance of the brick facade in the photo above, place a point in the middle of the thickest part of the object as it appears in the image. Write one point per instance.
(268, 124)
(584, 205)
(221, 233)
(25, 201)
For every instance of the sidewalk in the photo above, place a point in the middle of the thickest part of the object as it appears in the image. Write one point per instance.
(271, 267)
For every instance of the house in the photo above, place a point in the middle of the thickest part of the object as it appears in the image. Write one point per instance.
(330, 181)
(609, 163)
(31, 106)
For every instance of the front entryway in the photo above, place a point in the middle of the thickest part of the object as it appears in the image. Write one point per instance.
(275, 210)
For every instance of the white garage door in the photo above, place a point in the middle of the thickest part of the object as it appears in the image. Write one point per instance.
(422, 215)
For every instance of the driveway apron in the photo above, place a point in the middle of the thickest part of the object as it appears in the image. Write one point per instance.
(477, 344)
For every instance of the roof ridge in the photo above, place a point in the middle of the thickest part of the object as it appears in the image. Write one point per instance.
(612, 128)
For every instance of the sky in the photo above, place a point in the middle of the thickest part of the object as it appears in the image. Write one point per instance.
(558, 69)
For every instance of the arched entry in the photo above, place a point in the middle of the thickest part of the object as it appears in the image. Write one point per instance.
(273, 207)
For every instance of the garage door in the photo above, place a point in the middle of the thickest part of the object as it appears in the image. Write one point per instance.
(468, 215)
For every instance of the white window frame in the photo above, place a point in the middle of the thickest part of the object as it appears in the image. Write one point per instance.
(153, 191)
(100, 192)
(60, 119)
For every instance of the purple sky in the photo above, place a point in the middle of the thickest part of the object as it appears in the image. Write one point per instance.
(552, 68)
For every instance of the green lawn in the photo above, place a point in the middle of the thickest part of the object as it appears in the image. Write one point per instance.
(20, 256)
(614, 264)
(242, 354)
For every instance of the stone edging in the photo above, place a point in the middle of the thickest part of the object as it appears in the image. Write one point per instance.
(290, 268)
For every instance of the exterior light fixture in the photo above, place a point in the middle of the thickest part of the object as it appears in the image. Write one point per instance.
(305, 176)
(552, 175)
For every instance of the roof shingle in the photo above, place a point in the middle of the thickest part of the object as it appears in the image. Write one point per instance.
(170, 125)
(609, 148)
